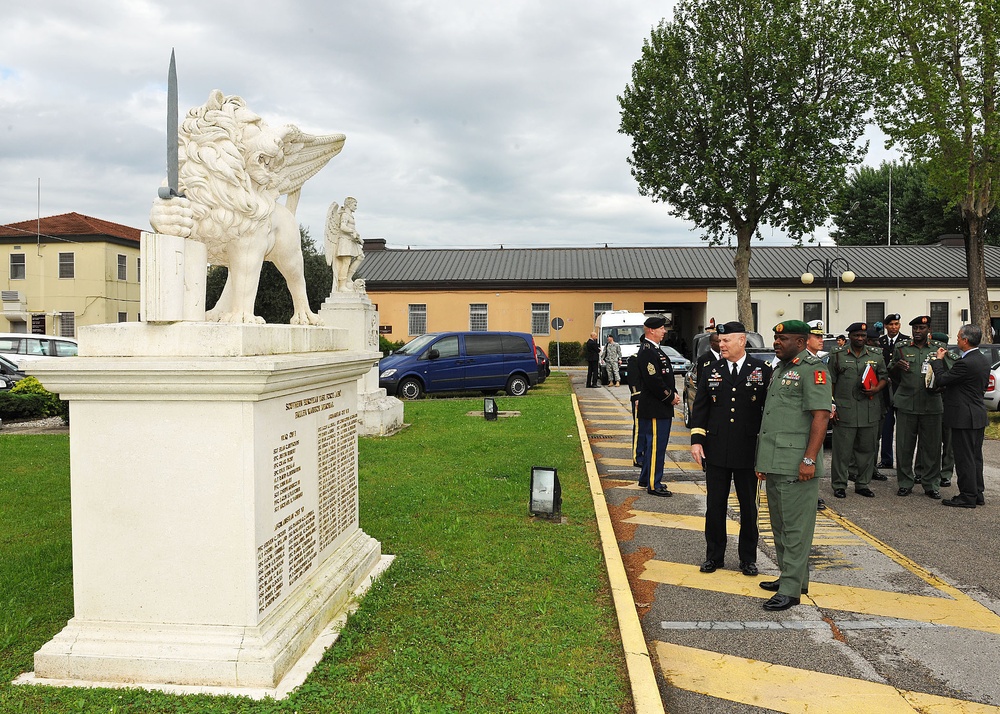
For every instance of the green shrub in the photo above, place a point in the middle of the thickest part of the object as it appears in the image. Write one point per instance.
(569, 353)
(386, 346)
(22, 406)
(28, 399)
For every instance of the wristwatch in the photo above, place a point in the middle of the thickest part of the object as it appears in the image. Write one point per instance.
(808, 462)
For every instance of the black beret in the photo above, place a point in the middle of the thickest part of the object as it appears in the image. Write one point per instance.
(922, 320)
(655, 322)
(873, 331)
(857, 327)
(892, 316)
(730, 327)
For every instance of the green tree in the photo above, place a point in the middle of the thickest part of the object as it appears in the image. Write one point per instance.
(747, 112)
(940, 104)
(274, 302)
(919, 215)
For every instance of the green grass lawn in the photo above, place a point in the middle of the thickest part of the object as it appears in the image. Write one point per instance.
(484, 610)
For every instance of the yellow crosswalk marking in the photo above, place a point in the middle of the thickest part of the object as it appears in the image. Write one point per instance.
(965, 612)
(691, 488)
(608, 461)
(610, 421)
(787, 689)
(610, 432)
(673, 520)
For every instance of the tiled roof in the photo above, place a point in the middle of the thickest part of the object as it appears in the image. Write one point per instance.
(665, 267)
(69, 224)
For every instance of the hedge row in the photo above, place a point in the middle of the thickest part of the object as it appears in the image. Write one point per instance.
(28, 399)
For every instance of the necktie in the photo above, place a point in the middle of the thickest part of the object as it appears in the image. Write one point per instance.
(734, 370)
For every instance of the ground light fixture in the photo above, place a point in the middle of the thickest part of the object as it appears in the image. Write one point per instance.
(490, 409)
(546, 495)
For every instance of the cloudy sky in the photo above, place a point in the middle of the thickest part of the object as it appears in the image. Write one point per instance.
(468, 124)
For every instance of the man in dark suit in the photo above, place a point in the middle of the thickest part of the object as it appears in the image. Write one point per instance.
(725, 421)
(592, 351)
(965, 413)
(708, 358)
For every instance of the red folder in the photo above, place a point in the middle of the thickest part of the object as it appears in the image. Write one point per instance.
(869, 378)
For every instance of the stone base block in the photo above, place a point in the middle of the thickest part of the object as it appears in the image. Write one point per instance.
(212, 655)
(379, 414)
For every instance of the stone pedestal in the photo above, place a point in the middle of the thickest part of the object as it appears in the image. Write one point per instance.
(214, 500)
(378, 414)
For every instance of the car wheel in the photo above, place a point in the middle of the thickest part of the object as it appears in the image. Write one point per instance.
(686, 410)
(410, 388)
(517, 386)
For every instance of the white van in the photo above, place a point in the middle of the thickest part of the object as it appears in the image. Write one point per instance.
(626, 328)
(17, 346)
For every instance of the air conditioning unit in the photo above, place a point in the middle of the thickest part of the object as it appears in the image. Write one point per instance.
(13, 301)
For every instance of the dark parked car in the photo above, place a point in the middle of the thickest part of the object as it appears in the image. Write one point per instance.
(9, 373)
(544, 368)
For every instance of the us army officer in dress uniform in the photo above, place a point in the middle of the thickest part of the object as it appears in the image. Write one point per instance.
(725, 420)
(918, 412)
(858, 413)
(657, 397)
(790, 458)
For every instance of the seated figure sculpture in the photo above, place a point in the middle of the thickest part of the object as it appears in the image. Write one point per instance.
(232, 169)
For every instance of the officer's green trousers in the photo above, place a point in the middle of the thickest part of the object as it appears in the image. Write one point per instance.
(792, 505)
(920, 433)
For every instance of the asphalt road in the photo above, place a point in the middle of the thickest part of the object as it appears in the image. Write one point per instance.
(903, 612)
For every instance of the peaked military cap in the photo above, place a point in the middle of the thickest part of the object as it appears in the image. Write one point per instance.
(730, 328)
(816, 327)
(922, 320)
(792, 327)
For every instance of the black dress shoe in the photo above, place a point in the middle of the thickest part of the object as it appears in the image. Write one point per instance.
(936, 495)
(957, 504)
(772, 586)
(980, 501)
(749, 569)
(839, 493)
(866, 492)
(885, 465)
(879, 476)
(780, 602)
(852, 477)
(661, 491)
(904, 491)
(710, 566)
(945, 483)
(820, 504)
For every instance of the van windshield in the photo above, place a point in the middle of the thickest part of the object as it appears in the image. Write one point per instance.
(623, 334)
(416, 345)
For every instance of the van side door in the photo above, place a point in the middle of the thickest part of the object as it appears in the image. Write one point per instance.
(442, 365)
(484, 361)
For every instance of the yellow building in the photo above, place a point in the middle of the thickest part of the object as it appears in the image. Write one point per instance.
(66, 271)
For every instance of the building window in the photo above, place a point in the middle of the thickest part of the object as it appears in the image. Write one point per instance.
(539, 318)
(601, 307)
(67, 324)
(418, 319)
(812, 311)
(138, 271)
(17, 269)
(939, 317)
(874, 312)
(478, 321)
(122, 267)
(122, 317)
(67, 265)
(755, 316)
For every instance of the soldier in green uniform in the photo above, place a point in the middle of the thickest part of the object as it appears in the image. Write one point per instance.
(790, 457)
(918, 412)
(858, 376)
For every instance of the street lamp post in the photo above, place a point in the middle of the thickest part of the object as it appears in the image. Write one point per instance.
(828, 266)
